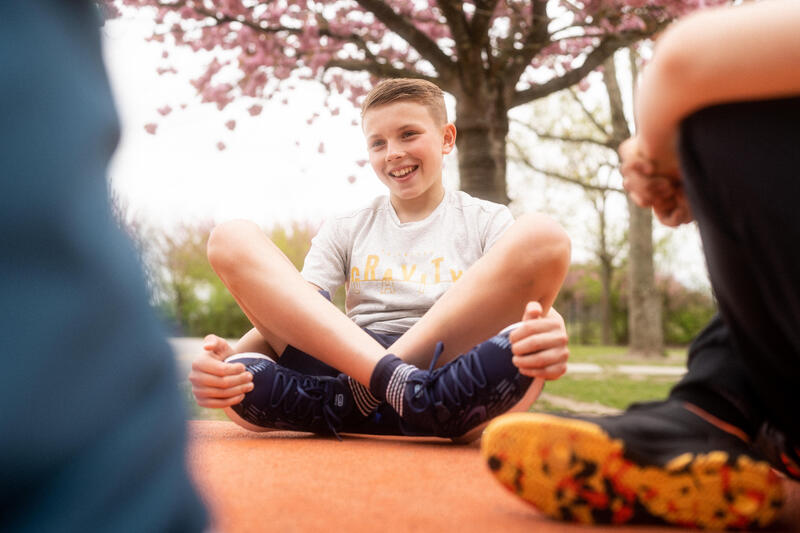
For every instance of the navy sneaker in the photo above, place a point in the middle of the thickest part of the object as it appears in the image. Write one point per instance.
(461, 396)
(657, 463)
(288, 400)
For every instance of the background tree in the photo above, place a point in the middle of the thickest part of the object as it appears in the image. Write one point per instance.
(184, 289)
(589, 139)
(491, 55)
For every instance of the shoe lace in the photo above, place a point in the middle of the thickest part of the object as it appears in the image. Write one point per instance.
(309, 402)
(449, 385)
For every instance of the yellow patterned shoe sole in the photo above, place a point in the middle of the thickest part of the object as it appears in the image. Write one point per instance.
(573, 470)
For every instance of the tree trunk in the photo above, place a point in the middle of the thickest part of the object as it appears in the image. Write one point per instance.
(606, 271)
(481, 142)
(644, 306)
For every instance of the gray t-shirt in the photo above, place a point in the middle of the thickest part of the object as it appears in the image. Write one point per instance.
(394, 272)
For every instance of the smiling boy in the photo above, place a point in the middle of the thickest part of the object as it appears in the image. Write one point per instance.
(430, 274)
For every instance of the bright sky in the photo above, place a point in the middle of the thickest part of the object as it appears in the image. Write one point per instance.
(271, 170)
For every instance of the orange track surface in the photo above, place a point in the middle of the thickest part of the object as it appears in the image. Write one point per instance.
(285, 481)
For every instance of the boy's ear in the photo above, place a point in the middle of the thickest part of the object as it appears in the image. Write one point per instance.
(449, 138)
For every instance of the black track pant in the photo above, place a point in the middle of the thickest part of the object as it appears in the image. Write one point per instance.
(741, 168)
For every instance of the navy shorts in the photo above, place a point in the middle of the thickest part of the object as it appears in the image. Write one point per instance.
(307, 364)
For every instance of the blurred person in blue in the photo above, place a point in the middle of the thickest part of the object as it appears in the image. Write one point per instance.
(93, 435)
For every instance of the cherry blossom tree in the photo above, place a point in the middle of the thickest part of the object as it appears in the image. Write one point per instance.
(491, 55)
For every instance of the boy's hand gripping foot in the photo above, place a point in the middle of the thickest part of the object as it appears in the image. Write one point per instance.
(284, 399)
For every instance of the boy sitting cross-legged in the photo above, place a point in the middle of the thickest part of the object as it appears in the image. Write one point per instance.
(430, 274)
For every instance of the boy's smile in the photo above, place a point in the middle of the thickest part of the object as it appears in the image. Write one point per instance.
(406, 147)
(403, 172)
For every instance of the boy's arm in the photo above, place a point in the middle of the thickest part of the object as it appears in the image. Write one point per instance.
(747, 52)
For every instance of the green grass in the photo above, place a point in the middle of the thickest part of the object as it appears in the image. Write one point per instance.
(618, 355)
(611, 390)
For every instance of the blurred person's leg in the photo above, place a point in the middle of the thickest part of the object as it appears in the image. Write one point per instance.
(741, 165)
(93, 433)
(702, 457)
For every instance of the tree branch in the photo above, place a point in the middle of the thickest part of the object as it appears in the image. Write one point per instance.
(533, 43)
(593, 60)
(564, 138)
(457, 22)
(381, 70)
(479, 26)
(600, 127)
(354, 38)
(619, 124)
(525, 160)
(423, 44)
(222, 18)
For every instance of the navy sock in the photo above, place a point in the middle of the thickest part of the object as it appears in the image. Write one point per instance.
(388, 380)
(365, 401)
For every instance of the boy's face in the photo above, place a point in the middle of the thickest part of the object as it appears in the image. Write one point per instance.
(406, 147)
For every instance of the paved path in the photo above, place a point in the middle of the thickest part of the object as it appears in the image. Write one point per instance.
(283, 481)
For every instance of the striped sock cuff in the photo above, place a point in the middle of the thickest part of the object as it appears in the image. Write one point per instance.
(397, 385)
(364, 399)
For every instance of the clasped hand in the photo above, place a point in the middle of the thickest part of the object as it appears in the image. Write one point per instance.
(650, 186)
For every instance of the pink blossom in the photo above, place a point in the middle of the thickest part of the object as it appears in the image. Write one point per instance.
(220, 146)
(246, 62)
(231, 124)
(164, 111)
(150, 128)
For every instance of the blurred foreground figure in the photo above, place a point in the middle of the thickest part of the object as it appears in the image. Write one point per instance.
(93, 434)
(718, 111)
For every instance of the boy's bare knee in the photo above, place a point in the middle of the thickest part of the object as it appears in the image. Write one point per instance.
(228, 240)
(543, 239)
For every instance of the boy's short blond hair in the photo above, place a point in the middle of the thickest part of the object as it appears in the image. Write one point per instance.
(411, 90)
